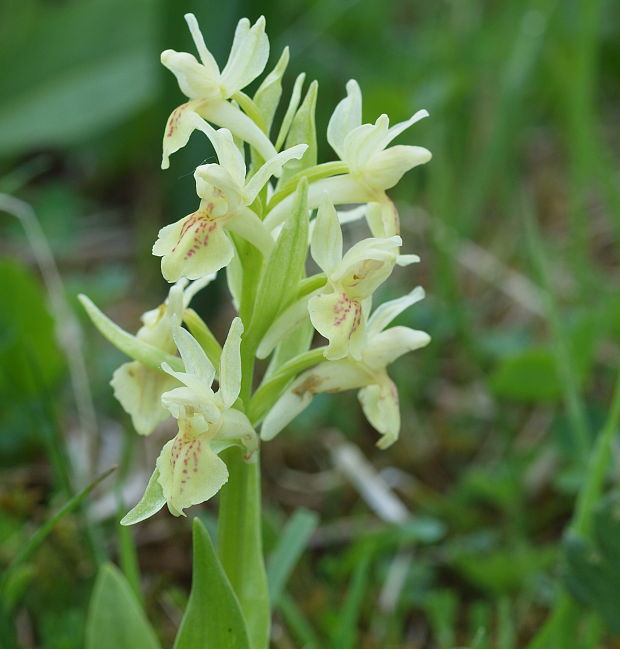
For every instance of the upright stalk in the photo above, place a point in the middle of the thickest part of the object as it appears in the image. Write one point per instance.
(239, 531)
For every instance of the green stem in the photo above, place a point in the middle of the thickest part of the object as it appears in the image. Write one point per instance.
(239, 530)
(239, 541)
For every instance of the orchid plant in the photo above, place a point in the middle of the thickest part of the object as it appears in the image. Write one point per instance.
(258, 220)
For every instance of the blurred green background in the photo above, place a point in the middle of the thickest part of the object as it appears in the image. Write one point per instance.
(516, 219)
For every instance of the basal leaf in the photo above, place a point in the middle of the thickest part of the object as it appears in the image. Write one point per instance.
(115, 619)
(213, 618)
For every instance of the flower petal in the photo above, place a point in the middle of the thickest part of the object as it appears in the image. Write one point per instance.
(150, 503)
(195, 80)
(205, 56)
(194, 358)
(397, 129)
(179, 127)
(366, 265)
(326, 242)
(346, 116)
(283, 412)
(273, 167)
(193, 247)
(195, 286)
(331, 376)
(382, 218)
(230, 365)
(138, 389)
(387, 167)
(339, 189)
(363, 143)
(248, 55)
(247, 225)
(387, 346)
(193, 397)
(236, 426)
(385, 313)
(226, 150)
(230, 116)
(338, 318)
(189, 471)
(380, 405)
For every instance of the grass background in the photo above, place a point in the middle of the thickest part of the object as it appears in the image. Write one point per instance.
(516, 219)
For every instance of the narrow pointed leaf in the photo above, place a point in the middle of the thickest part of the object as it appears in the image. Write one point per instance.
(293, 541)
(150, 503)
(134, 348)
(213, 618)
(284, 268)
(115, 618)
(268, 95)
(303, 131)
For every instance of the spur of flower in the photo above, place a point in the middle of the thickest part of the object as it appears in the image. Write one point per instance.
(377, 392)
(372, 166)
(189, 469)
(209, 89)
(198, 244)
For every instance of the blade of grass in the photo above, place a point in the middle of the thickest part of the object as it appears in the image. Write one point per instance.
(292, 542)
(572, 397)
(347, 631)
(529, 37)
(39, 536)
(505, 625)
(128, 556)
(579, 101)
(298, 624)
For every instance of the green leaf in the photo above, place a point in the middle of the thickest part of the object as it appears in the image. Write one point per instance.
(115, 619)
(290, 111)
(213, 618)
(298, 624)
(291, 544)
(593, 569)
(150, 503)
(346, 633)
(131, 345)
(284, 268)
(303, 131)
(441, 607)
(268, 95)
